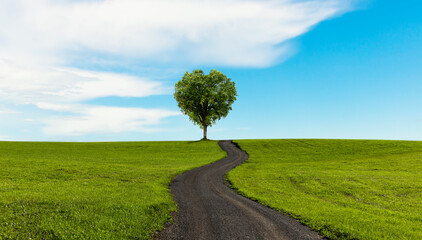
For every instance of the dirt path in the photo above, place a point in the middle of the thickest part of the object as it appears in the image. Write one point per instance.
(209, 209)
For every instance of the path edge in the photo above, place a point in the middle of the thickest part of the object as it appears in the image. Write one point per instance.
(173, 214)
(230, 184)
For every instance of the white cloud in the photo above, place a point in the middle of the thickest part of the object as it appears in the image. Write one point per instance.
(30, 85)
(39, 39)
(100, 119)
(7, 111)
(63, 90)
(225, 32)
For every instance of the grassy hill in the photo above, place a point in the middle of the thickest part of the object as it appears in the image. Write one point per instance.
(92, 190)
(345, 189)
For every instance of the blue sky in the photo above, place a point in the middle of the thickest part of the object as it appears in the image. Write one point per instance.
(105, 70)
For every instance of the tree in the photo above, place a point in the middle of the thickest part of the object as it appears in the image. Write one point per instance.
(205, 98)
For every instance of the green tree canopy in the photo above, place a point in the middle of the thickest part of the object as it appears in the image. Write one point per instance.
(205, 98)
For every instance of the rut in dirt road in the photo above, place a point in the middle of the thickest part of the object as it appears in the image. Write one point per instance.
(209, 209)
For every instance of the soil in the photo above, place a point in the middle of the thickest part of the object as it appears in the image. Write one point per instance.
(209, 209)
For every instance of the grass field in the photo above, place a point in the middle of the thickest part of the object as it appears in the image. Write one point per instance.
(92, 190)
(345, 189)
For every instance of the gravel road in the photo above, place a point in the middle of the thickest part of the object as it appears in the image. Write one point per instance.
(209, 209)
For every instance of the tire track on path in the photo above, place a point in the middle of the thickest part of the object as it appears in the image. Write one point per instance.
(209, 209)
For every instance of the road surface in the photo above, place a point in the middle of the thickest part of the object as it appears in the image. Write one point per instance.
(209, 209)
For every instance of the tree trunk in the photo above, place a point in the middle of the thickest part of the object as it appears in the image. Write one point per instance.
(205, 131)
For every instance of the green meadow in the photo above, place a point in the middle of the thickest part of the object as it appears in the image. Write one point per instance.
(92, 190)
(345, 189)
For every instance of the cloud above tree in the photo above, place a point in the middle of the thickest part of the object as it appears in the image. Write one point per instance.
(40, 41)
(233, 33)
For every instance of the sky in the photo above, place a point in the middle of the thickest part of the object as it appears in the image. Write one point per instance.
(104, 70)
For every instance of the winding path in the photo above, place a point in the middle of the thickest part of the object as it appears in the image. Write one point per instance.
(209, 209)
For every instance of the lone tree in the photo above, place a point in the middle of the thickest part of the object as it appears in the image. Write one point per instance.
(205, 98)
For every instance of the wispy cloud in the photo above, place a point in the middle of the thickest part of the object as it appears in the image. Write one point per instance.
(100, 119)
(40, 40)
(7, 111)
(234, 32)
(32, 84)
(64, 90)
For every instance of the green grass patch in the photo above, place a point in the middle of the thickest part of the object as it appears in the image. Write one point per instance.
(92, 190)
(345, 189)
